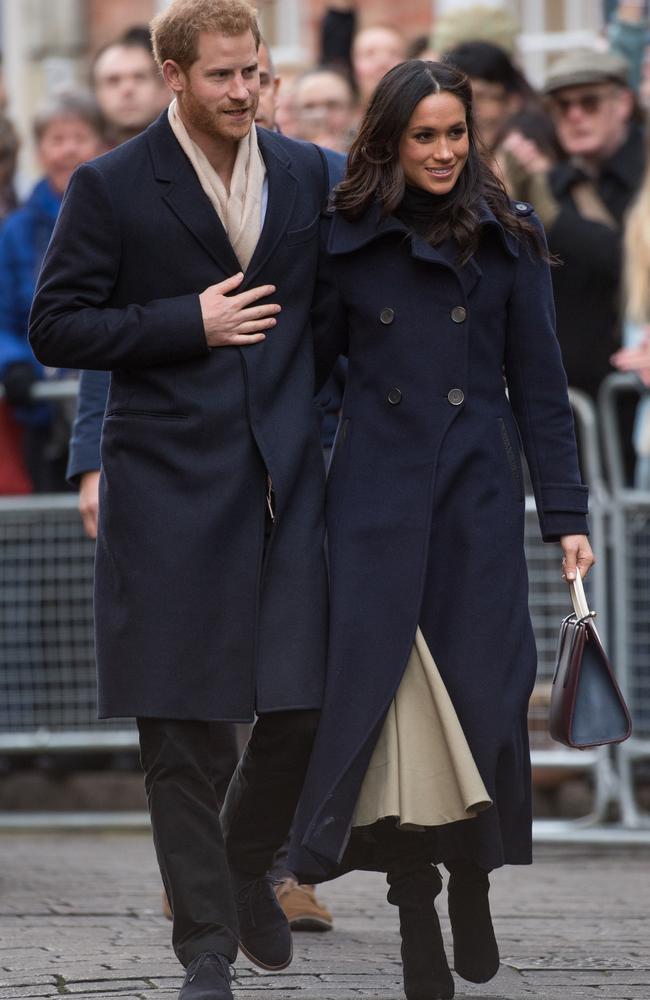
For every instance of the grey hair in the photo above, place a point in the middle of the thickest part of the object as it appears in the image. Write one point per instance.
(77, 104)
(330, 70)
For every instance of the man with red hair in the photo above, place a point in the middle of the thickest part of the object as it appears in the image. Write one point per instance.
(185, 262)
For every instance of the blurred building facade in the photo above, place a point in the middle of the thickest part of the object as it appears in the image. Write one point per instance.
(49, 43)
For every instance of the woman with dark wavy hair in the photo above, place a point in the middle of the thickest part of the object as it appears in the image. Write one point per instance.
(435, 287)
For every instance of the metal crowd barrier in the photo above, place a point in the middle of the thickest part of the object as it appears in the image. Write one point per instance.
(549, 603)
(631, 595)
(47, 664)
(47, 670)
(47, 674)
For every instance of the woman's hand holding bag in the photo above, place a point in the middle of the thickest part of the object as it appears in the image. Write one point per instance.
(587, 707)
(578, 555)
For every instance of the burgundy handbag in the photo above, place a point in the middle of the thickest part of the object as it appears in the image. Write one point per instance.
(587, 707)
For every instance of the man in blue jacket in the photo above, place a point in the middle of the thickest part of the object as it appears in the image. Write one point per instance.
(185, 263)
(67, 131)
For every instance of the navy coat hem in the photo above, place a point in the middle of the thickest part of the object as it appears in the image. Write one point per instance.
(367, 852)
(242, 718)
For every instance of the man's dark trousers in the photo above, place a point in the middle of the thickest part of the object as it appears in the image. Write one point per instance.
(181, 761)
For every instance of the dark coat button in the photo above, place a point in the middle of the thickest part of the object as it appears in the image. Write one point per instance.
(386, 316)
(459, 314)
(395, 396)
(456, 396)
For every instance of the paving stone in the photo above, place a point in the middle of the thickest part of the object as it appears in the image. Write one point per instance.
(116, 986)
(80, 916)
(29, 990)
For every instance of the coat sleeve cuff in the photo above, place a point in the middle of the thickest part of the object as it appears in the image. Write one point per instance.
(558, 523)
(82, 458)
(562, 510)
(570, 497)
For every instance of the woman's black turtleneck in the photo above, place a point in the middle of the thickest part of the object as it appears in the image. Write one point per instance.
(418, 209)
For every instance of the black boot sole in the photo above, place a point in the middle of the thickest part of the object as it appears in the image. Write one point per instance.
(262, 965)
(473, 978)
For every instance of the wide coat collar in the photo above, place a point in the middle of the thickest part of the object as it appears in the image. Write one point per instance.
(186, 198)
(347, 236)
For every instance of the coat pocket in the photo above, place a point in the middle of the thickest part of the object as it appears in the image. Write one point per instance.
(147, 414)
(514, 460)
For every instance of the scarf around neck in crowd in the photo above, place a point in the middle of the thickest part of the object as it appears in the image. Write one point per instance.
(240, 210)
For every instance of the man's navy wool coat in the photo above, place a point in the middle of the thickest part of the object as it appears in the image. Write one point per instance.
(195, 617)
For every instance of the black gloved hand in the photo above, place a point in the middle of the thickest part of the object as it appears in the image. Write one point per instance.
(18, 381)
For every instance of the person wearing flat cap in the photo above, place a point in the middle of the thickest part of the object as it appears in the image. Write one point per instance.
(586, 68)
(585, 199)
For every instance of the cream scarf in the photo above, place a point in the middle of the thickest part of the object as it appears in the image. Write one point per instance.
(240, 210)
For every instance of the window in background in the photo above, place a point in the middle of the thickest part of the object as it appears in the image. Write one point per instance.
(554, 26)
(281, 24)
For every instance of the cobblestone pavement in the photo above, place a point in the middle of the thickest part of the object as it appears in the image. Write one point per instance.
(80, 917)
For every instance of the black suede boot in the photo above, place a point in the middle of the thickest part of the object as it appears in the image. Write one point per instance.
(426, 972)
(476, 953)
(208, 977)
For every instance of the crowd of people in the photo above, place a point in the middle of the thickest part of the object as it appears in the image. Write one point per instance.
(71, 127)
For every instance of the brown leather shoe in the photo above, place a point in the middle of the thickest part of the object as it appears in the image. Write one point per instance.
(301, 907)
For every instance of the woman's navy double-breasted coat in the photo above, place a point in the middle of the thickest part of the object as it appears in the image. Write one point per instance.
(195, 617)
(425, 513)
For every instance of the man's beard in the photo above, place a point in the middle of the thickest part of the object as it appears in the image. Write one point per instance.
(214, 123)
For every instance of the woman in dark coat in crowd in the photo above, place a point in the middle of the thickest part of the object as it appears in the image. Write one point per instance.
(437, 287)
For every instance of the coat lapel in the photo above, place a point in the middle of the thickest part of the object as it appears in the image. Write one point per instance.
(468, 275)
(186, 198)
(189, 203)
(282, 188)
(346, 237)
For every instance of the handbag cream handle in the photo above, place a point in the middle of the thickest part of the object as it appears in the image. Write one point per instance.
(579, 600)
(578, 596)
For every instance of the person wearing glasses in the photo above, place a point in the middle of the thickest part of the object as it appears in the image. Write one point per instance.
(583, 200)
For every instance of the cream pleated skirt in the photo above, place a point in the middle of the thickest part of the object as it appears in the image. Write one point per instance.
(422, 771)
